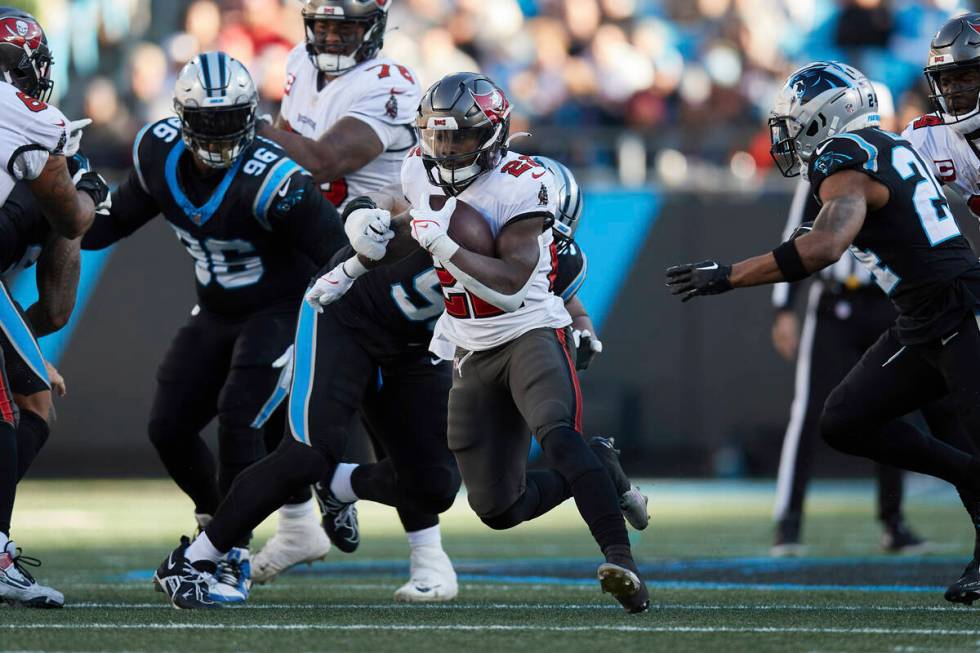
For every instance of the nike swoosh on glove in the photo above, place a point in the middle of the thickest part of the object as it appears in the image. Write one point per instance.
(693, 279)
(74, 130)
(328, 288)
(430, 228)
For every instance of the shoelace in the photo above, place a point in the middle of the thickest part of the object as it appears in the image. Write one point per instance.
(229, 571)
(20, 560)
(346, 517)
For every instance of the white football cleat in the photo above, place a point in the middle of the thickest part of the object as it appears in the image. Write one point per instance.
(18, 587)
(432, 577)
(295, 541)
(233, 578)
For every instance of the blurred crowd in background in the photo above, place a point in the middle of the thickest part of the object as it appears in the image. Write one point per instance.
(601, 83)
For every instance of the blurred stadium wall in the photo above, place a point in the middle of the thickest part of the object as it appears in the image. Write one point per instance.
(658, 106)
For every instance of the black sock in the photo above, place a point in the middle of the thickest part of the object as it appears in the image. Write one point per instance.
(416, 520)
(262, 488)
(8, 473)
(376, 482)
(302, 495)
(593, 490)
(32, 433)
(189, 463)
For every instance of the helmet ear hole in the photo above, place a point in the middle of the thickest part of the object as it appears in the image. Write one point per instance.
(812, 129)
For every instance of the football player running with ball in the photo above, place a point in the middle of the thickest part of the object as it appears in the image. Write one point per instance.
(881, 201)
(36, 141)
(257, 228)
(948, 139)
(505, 330)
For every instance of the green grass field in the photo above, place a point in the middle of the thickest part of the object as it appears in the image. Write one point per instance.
(528, 589)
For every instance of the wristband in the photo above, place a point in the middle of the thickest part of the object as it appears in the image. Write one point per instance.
(443, 248)
(353, 267)
(361, 202)
(789, 261)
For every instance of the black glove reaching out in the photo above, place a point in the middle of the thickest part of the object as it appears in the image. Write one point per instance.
(693, 279)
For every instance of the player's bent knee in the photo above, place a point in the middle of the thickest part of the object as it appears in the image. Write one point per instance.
(507, 519)
(838, 424)
(301, 464)
(166, 432)
(567, 453)
(431, 489)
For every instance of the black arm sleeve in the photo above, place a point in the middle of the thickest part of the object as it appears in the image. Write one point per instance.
(312, 223)
(132, 207)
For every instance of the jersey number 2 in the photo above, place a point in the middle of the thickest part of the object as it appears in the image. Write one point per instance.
(930, 203)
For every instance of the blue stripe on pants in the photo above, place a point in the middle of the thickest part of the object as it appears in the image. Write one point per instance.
(20, 336)
(304, 362)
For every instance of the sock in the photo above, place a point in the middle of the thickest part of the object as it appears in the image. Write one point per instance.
(8, 473)
(293, 513)
(415, 520)
(202, 549)
(32, 433)
(340, 484)
(427, 537)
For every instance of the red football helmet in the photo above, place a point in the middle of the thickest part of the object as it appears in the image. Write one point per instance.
(25, 60)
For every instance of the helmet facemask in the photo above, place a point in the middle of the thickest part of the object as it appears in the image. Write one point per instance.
(217, 136)
(357, 39)
(453, 157)
(784, 152)
(956, 95)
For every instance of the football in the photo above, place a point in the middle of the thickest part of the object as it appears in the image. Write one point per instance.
(468, 227)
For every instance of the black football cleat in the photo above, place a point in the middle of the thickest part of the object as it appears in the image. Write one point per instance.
(339, 519)
(625, 585)
(188, 587)
(966, 589)
(632, 502)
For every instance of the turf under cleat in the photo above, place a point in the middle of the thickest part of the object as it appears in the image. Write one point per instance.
(233, 578)
(17, 585)
(632, 502)
(339, 519)
(432, 577)
(967, 588)
(187, 586)
(625, 586)
(296, 541)
(899, 538)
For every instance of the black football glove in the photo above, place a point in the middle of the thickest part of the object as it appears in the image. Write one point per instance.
(704, 278)
(92, 183)
(78, 165)
(587, 347)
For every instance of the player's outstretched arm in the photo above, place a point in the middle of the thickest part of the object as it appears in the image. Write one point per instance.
(58, 269)
(346, 147)
(132, 207)
(68, 208)
(846, 197)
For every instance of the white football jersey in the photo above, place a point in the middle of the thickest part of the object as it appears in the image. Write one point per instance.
(517, 188)
(955, 163)
(379, 92)
(30, 132)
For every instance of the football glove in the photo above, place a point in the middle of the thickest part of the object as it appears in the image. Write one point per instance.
(92, 183)
(74, 130)
(693, 279)
(368, 231)
(430, 228)
(78, 164)
(285, 366)
(587, 347)
(334, 284)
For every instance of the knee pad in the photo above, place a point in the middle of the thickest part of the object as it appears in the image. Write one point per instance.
(567, 453)
(166, 433)
(837, 422)
(430, 489)
(239, 444)
(503, 521)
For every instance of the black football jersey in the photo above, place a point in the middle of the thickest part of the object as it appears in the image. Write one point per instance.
(393, 308)
(911, 245)
(23, 230)
(257, 232)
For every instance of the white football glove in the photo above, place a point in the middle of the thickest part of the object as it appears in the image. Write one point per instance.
(430, 228)
(74, 130)
(285, 366)
(587, 347)
(334, 284)
(368, 231)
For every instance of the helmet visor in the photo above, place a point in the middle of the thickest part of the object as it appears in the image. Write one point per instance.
(218, 135)
(956, 89)
(782, 134)
(454, 148)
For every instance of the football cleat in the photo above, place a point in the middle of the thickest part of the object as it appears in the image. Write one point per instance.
(339, 519)
(17, 585)
(625, 586)
(899, 538)
(187, 586)
(967, 588)
(296, 541)
(786, 540)
(432, 577)
(632, 502)
(233, 578)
